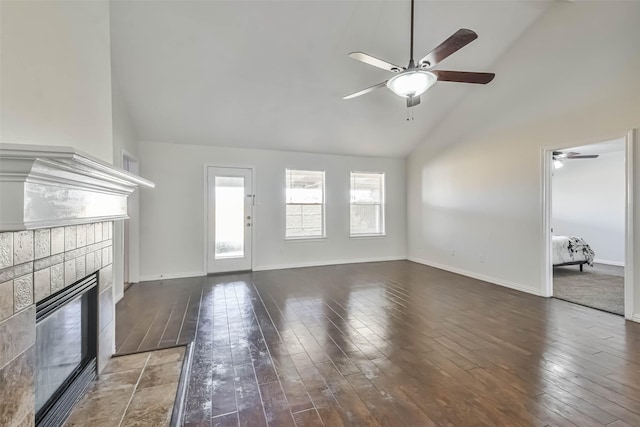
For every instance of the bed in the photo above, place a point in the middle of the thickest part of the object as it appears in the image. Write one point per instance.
(571, 250)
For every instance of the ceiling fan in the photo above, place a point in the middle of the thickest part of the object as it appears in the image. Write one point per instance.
(413, 80)
(559, 157)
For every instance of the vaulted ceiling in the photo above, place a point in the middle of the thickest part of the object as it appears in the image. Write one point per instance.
(271, 74)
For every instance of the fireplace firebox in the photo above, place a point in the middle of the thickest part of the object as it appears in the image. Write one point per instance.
(66, 349)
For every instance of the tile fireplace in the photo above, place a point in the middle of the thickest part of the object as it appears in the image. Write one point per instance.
(57, 208)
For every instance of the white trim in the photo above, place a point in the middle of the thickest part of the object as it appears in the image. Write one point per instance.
(30, 225)
(324, 263)
(54, 186)
(119, 227)
(608, 262)
(304, 239)
(630, 176)
(482, 277)
(169, 276)
(67, 158)
(129, 155)
(635, 317)
(545, 194)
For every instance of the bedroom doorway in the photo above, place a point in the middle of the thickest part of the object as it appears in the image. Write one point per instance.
(586, 211)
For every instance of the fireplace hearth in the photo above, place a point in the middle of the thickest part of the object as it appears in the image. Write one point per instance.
(66, 349)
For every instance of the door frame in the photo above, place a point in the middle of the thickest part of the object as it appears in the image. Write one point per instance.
(205, 261)
(121, 254)
(132, 275)
(547, 263)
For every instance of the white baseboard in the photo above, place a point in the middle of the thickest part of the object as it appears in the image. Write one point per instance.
(635, 317)
(473, 275)
(604, 261)
(168, 276)
(323, 263)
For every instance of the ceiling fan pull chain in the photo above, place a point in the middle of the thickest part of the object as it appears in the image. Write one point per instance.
(410, 116)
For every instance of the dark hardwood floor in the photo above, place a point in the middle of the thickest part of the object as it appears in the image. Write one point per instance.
(159, 314)
(387, 344)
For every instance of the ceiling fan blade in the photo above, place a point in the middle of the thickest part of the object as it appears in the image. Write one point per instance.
(367, 90)
(375, 62)
(464, 76)
(457, 41)
(584, 156)
(412, 101)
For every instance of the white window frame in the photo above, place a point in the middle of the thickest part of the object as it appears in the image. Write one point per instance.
(383, 206)
(321, 236)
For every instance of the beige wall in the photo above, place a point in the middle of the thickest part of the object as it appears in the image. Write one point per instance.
(56, 75)
(475, 183)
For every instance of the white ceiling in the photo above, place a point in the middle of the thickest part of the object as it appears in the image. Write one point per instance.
(271, 74)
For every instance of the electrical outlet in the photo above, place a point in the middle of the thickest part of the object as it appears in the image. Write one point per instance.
(453, 252)
(482, 258)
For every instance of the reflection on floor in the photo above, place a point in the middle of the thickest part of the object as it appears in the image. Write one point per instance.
(600, 286)
(401, 344)
(134, 390)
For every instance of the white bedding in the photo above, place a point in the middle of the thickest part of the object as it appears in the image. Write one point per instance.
(571, 249)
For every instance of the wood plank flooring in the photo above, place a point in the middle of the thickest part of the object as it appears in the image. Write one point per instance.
(390, 344)
(158, 314)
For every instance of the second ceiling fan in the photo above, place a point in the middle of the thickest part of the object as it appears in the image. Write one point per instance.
(413, 80)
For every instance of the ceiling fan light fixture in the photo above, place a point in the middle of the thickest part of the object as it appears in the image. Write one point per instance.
(411, 83)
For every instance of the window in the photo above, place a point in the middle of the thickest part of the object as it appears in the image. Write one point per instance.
(305, 204)
(367, 204)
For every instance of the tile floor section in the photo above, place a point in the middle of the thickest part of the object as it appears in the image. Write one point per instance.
(134, 390)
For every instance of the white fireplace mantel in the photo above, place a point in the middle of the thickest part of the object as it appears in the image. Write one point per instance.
(43, 186)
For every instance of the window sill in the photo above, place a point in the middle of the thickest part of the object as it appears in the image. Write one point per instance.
(367, 236)
(304, 239)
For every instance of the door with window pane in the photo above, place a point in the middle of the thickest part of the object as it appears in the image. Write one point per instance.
(230, 218)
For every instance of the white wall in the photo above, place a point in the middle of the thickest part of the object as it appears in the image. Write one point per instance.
(589, 201)
(475, 183)
(173, 233)
(55, 75)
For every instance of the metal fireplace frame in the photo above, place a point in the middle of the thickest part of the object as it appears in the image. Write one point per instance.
(60, 404)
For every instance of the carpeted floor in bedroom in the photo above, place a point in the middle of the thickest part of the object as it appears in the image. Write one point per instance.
(600, 286)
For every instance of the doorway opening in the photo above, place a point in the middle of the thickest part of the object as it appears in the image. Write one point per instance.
(131, 227)
(553, 226)
(229, 219)
(588, 225)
